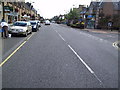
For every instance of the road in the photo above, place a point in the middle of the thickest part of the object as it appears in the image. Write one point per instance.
(58, 56)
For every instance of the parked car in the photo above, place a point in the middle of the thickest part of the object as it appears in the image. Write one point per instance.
(35, 26)
(21, 27)
(47, 22)
(53, 21)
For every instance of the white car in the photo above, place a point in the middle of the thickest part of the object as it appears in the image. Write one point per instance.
(47, 22)
(21, 27)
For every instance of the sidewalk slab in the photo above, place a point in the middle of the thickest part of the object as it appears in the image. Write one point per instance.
(98, 30)
(102, 31)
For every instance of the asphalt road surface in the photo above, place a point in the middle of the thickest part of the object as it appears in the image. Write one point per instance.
(58, 56)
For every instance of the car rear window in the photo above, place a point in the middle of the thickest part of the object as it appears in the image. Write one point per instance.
(20, 24)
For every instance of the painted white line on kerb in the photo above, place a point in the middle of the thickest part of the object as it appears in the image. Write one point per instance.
(115, 45)
(81, 59)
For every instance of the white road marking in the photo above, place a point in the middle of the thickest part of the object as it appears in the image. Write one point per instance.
(87, 66)
(84, 63)
(115, 45)
(81, 59)
(110, 36)
(101, 83)
(62, 37)
(94, 37)
(56, 31)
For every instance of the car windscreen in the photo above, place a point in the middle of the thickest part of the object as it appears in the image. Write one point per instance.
(33, 23)
(20, 24)
(47, 21)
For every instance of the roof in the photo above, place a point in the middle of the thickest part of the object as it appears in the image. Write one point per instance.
(94, 5)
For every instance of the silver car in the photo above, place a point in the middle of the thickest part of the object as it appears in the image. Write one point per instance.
(21, 27)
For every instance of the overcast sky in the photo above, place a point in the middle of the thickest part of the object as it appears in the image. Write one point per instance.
(50, 8)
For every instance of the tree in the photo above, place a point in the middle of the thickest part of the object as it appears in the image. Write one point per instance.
(116, 21)
(73, 14)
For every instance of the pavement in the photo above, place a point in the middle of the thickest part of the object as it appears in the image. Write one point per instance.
(62, 57)
(102, 31)
(95, 30)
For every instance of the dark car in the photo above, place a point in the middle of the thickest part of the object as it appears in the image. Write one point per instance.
(35, 26)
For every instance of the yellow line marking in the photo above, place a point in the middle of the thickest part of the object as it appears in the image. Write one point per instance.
(12, 54)
(30, 36)
(1, 64)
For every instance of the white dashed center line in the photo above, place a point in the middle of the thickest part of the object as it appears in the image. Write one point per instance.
(91, 71)
(83, 62)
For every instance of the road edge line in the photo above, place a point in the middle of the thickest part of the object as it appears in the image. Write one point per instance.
(9, 56)
(1, 64)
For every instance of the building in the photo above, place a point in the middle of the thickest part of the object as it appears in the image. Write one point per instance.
(109, 11)
(33, 12)
(17, 11)
(99, 10)
(92, 15)
(1, 11)
(110, 8)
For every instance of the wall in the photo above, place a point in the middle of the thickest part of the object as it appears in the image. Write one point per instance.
(108, 8)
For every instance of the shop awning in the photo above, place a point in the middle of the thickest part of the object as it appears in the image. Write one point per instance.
(12, 14)
(90, 16)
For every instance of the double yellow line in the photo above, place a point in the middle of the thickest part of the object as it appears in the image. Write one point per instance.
(1, 64)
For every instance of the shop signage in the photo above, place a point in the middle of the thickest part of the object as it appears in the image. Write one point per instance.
(8, 8)
(12, 14)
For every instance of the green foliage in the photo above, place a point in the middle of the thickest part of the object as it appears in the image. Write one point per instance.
(103, 22)
(116, 20)
(55, 18)
(73, 14)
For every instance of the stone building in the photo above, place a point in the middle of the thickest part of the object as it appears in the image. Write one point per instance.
(17, 11)
(1, 11)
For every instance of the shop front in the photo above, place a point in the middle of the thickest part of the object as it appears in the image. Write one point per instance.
(10, 14)
(90, 21)
(12, 17)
